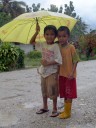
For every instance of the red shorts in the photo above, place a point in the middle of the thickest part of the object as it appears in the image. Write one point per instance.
(67, 88)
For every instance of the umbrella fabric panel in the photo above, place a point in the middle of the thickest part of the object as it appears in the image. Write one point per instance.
(22, 28)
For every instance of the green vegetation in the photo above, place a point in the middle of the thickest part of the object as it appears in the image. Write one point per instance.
(4, 18)
(34, 54)
(11, 57)
(20, 60)
(31, 63)
(32, 59)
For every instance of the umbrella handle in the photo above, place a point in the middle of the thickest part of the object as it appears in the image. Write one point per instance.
(36, 20)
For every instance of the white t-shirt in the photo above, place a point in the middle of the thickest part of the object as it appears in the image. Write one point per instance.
(49, 53)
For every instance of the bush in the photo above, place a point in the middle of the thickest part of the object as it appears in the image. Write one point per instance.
(94, 50)
(34, 54)
(11, 57)
(20, 60)
(8, 57)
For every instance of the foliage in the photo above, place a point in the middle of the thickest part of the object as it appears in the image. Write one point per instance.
(60, 9)
(80, 27)
(32, 59)
(4, 18)
(69, 10)
(12, 7)
(35, 7)
(29, 62)
(82, 42)
(20, 60)
(34, 54)
(28, 9)
(88, 44)
(94, 49)
(91, 40)
(88, 40)
(53, 8)
(11, 57)
(8, 57)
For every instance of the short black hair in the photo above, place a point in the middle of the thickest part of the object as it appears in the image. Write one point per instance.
(51, 27)
(64, 28)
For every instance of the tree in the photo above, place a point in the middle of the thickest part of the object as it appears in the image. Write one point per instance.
(28, 9)
(12, 7)
(69, 10)
(80, 27)
(35, 7)
(60, 9)
(53, 8)
(4, 18)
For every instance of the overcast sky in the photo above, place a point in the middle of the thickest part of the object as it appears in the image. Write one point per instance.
(86, 9)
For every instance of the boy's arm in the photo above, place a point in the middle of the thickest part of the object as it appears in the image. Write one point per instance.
(75, 59)
(32, 41)
(46, 63)
(73, 70)
(74, 67)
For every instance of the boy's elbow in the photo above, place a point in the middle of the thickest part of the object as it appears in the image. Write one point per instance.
(32, 42)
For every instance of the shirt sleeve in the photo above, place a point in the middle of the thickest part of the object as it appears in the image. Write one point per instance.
(75, 57)
(57, 54)
(38, 46)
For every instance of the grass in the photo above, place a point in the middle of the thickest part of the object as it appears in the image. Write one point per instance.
(92, 58)
(31, 63)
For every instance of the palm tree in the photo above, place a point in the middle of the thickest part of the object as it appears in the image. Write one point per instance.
(12, 7)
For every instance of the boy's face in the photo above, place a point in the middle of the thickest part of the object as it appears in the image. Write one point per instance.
(49, 36)
(62, 37)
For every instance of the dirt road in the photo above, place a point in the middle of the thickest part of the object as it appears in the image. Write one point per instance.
(20, 97)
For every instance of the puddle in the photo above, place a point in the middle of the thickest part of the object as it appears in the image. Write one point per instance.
(31, 105)
(7, 119)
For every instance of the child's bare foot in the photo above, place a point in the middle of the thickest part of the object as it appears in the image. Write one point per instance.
(41, 111)
(54, 114)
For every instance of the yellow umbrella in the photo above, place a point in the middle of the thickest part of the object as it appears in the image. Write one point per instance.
(23, 27)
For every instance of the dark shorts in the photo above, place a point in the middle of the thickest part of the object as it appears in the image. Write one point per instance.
(67, 88)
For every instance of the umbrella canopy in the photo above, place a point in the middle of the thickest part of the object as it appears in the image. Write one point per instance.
(23, 27)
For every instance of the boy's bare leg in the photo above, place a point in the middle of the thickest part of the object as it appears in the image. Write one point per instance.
(55, 105)
(54, 112)
(45, 106)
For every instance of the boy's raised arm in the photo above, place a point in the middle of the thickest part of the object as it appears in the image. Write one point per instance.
(32, 41)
